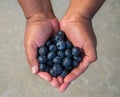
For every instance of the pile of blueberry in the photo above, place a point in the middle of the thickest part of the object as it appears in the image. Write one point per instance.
(58, 56)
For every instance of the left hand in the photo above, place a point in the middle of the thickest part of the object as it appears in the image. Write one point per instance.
(80, 33)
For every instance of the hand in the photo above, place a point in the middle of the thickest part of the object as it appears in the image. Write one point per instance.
(37, 33)
(80, 33)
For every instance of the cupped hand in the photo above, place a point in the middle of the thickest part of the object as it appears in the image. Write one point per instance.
(80, 33)
(38, 30)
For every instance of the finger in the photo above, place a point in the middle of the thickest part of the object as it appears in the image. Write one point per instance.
(54, 82)
(75, 73)
(90, 52)
(60, 79)
(31, 53)
(63, 87)
(44, 75)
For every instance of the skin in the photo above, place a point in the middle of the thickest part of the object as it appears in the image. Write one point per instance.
(41, 23)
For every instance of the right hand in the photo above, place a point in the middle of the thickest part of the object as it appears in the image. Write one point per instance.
(38, 30)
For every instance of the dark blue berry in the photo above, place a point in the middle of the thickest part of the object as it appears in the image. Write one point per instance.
(58, 37)
(69, 68)
(57, 60)
(64, 73)
(66, 62)
(47, 69)
(42, 67)
(43, 50)
(57, 69)
(75, 51)
(68, 44)
(68, 53)
(52, 73)
(52, 47)
(77, 58)
(50, 63)
(61, 54)
(61, 45)
(75, 64)
(42, 59)
(51, 55)
(53, 40)
(48, 43)
(60, 33)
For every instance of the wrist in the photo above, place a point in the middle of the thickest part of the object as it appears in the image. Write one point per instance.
(39, 8)
(83, 8)
(76, 17)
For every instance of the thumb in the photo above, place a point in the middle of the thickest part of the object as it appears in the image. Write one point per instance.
(31, 54)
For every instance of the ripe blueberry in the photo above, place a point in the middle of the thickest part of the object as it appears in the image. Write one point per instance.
(51, 55)
(57, 60)
(61, 45)
(75, 51)
(57, 69)
(61, 54)
(52, 47)
(42, 67)
(60, 33)
(75, 63)
(42, 59)
(68, 44)
(77, 58)
(58, 37)
(69, 68)
(68, 53)
(48, 43)
(43, 50)
(52, 73)
(66, 62)
(64, 73)
(47, 69)
(50, 63)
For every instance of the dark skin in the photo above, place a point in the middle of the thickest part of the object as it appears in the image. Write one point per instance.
(41, 24)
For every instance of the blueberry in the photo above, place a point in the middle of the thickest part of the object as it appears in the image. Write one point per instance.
(75, 64)
(53, 40)
(68, 53)
(75, 51)
(57, 69)
(51, 55)
(57, 60)
(77, 58)
(48, 43)
(42, 67)
(61, 45)
(68, 44)
(50, 63)
(66, 62)
(60, 33)
(52, 47)
(69, 68)
(47, 69)
(52, 73)
(43, 50)
(58, 37)
(42, 59)
(61, 54)
(64, 73)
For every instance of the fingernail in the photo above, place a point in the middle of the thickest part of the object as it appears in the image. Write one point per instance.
(34, 69)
